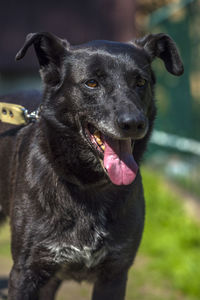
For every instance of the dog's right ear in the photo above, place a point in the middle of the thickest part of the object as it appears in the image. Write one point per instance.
(50, 51)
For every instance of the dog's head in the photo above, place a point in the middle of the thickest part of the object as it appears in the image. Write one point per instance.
(103, 92)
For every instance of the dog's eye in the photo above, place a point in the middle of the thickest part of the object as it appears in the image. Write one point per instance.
(92, 83)
(140, 82)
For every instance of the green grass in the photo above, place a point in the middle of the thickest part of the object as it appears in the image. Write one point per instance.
(168, 264)
(171, 238)
(5, 241)
(191, 184)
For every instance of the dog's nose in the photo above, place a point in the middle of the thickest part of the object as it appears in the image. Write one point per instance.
(132, 125)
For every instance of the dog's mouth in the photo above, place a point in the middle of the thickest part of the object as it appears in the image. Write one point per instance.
(96, 138)
(115, 155)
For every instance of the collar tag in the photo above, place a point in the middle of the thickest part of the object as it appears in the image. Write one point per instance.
(12, 113)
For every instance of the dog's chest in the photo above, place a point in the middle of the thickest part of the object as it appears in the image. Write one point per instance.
(88, 255)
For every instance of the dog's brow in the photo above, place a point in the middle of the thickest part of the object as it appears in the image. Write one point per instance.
(98, 64)
(136, 72)
(145, 66)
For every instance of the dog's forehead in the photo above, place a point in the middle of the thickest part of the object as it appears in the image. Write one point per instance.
(107, 55)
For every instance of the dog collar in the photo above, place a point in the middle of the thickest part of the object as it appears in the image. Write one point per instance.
(16, 114)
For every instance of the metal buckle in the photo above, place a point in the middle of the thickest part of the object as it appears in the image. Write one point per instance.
(31, 117)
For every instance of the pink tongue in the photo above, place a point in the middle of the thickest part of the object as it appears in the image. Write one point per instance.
(119, 162)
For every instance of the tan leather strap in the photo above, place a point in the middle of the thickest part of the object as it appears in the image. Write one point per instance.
(12, 113)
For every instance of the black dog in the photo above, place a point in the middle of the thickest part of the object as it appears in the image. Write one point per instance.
(70, 181)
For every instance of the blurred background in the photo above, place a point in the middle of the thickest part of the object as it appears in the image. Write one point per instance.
(168, 264)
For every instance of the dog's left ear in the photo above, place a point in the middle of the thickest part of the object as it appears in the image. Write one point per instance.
(161, 45)
(50, 51)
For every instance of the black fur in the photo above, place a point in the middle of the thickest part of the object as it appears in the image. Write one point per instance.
(68, 220)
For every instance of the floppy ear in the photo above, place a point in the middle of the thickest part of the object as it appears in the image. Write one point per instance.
(50, 51)
(161, 45)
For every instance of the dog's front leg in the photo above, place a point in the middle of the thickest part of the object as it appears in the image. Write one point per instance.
(107, 289)
(25, 285)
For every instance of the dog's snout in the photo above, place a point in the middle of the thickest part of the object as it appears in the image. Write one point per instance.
(131, 124)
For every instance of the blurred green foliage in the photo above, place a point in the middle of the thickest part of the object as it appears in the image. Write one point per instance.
(179, 97)
(191, 185)
(4, 241)
(171, 237)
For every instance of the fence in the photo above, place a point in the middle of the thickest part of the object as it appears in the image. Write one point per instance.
(178, 99)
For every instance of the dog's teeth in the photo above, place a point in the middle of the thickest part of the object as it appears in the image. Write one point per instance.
(97, 134)
(99, 141)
